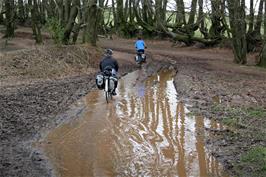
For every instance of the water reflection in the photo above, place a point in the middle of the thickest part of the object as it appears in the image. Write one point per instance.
(144, 132)
(163, 140)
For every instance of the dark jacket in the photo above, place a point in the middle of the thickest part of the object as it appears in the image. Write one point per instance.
(109, 61)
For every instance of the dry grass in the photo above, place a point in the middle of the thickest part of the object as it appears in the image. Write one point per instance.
(49, 62)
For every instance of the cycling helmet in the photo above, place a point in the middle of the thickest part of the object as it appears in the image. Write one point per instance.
(108, 52)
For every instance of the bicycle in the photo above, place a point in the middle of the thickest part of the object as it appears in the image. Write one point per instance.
(108, 85)
(140, 58)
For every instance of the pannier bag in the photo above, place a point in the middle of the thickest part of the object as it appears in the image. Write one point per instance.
(113, 82)
(100, 81)
(137, 58)
(140, 57)
(143, 56)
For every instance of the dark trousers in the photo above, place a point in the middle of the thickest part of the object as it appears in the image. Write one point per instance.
(140, 51)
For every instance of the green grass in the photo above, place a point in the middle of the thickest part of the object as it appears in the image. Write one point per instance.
(253, 162)
(249, 124)
(231, 121)
(251, 119)
(257, 112)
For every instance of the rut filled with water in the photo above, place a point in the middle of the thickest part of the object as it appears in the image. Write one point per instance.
(144, 131)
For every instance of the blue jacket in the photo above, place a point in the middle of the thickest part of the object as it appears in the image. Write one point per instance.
(140, 45)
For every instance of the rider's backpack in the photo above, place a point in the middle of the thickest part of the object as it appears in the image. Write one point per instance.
(100, 81)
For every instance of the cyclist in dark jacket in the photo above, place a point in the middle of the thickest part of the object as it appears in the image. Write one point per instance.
(108, 62)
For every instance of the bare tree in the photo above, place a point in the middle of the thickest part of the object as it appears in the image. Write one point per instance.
(35, 21)
(91, 22)
(238, 30)
(10, 18)
(251, 17)
(21, 12)
(71, 12)
(1, 13)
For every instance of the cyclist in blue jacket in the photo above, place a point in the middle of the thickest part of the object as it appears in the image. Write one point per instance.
(140, 45)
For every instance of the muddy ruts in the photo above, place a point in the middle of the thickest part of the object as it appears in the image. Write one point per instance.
(27, 112)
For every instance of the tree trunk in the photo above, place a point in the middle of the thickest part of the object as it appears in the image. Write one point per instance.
(27, 11)
(264, 21)
(254, 37)
(158, 16)
(192, 13)
(190, 27)
(122, 28)
(262, 61)
(257, 27)
(93, 19)
(251, 17)
(200, 20)
(67, 9)
(35, 20)
(21, 12)
(238, 29)
(101, 13)
(216, 28)
(10, 18)
(1, 19)
(60, 8)
(50, 7)
(115, 15)
(71, 21)
(91, 23)
(180, 16)
(224, 19)
(1, 14)
(42, 11)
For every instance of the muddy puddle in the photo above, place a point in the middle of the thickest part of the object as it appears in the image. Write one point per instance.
(145, 131)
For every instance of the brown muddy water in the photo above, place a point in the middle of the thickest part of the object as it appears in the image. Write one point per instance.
(144, 131)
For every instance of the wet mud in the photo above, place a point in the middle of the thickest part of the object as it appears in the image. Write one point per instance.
(144, 131)
(29, 111)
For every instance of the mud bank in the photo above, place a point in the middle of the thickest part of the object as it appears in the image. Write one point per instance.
(234, 96)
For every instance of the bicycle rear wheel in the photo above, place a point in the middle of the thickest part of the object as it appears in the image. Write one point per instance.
(108, 94)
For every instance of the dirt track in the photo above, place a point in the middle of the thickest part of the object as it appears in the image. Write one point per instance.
(29, 111)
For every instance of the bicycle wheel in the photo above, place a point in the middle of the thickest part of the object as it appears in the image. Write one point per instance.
(108, 94)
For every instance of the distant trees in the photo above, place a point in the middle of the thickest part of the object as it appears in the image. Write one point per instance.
(208, 22)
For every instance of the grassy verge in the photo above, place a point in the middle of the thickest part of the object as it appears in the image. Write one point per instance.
(248, 138)
(253, 160)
